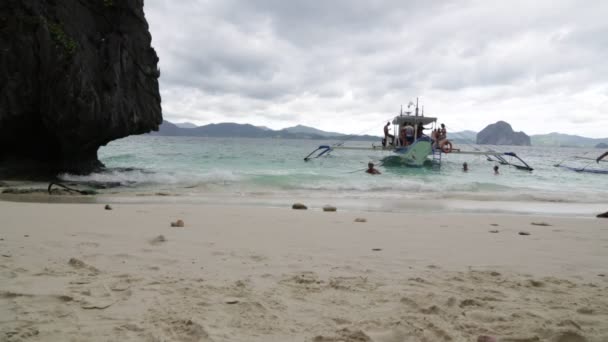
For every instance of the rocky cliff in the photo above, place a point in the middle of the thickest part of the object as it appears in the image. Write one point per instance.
(501, 133)
(74, 75)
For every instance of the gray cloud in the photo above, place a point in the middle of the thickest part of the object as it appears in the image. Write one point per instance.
(330, 61)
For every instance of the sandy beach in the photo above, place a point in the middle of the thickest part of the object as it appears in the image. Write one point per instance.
(77, 272)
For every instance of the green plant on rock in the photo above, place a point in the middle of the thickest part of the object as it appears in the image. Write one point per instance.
(61, 38)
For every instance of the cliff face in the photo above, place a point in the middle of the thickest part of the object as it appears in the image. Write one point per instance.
(501, 133)
(74, 75)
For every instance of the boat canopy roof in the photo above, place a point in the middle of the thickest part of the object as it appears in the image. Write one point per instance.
(413, 120)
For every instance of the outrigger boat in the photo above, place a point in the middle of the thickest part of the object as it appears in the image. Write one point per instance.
(423, 150)
(586, 168)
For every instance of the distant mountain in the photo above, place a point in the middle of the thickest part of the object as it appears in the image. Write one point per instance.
(501, 133)
(186, 125)
(463, 137)
(601, 145)
(565, 140)
(249, 131)
(264, 128)
(310, 130)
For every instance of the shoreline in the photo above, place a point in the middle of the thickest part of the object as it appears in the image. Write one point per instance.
(242, 273)
(436, 206)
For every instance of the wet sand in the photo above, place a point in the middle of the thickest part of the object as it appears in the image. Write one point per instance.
(238, 273)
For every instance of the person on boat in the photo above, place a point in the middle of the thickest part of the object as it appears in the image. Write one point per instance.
(371, 170)
(434, 139)
(601, 157)
(496, 170)
(442, 133)
(465, 167)
(420, 131)
(387, 135)
(409, 134)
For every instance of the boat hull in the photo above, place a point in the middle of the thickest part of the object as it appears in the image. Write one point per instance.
(415, 154)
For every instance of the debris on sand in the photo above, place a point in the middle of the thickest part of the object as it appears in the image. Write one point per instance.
(524, 233)
(360, 220)
(542, 224)
(330, 208)
(108, 207)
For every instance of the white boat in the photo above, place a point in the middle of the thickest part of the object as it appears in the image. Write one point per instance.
(422, 149)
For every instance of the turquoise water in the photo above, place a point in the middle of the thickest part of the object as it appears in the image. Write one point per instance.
(193, 168)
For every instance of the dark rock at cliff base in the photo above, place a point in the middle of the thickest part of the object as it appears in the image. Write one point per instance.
(74, 75)
(501, 133)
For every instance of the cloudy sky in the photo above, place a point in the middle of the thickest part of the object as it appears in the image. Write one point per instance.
(348, 65)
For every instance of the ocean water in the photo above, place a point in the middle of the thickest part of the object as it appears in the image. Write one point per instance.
(273, 171)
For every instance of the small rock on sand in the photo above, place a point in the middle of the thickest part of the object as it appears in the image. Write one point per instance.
(108, 207)
(330, 208)
(231, 301)
(524, 233)
(79, 264)
(542, 224)
(494, 231)
(376, 249)
(158, 240)
(360, 219)
(178, 223)
(604, 215)
(485, 338)
(299, 206)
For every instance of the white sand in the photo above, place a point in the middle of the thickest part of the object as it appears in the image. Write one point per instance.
(76, 272)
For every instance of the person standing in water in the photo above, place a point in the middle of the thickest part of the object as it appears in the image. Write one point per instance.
(371, 170)
(496, 170)
(465, 167)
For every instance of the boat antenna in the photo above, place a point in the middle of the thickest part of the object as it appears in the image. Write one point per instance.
(401, 113)
(416, 106)
(422, 110)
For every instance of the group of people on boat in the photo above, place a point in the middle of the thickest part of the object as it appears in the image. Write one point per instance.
(406, 135)
(409, 134)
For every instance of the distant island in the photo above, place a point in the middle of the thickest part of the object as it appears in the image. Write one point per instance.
(230, 129)
(565, 140)
(501, 133)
